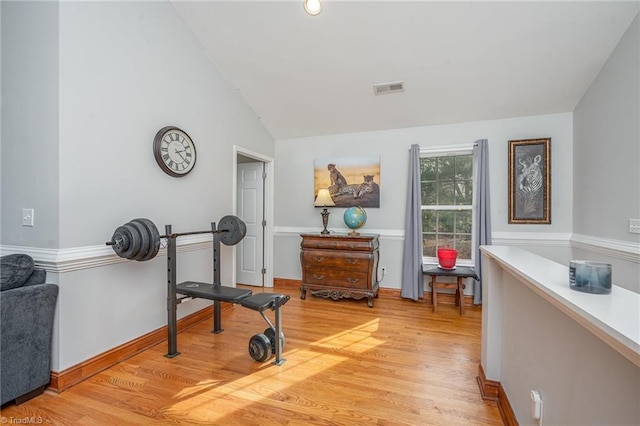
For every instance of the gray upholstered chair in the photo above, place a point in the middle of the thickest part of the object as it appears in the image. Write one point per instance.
(27, 307)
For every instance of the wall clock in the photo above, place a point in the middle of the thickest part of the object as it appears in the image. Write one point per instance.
(174, 151)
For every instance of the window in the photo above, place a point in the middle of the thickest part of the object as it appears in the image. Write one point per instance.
(447, 203)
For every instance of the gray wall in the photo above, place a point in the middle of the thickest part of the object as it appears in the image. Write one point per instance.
(606, 158)
(126, 70)
(294, 170)
(101, 79)
(30, 130)
(606, 161)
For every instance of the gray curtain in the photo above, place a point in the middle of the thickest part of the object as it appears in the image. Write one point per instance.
(482, 217)
(412, 280)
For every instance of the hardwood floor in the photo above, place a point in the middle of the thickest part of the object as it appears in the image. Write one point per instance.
(346, 364)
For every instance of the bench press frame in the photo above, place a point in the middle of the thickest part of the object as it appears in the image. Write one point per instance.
(215, 292)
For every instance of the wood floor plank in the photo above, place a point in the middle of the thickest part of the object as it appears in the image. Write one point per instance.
(396, 364)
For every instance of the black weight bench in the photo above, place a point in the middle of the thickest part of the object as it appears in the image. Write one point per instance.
(262, 345)
(217, 293)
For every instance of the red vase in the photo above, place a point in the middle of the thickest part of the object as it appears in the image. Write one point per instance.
(447, 258)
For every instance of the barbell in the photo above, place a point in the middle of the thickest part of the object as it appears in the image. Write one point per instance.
(139, 239)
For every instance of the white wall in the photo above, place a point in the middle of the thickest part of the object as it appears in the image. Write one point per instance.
(121, 71)
(294, 171)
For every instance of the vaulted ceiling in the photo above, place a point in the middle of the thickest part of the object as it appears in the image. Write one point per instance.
(459, 61)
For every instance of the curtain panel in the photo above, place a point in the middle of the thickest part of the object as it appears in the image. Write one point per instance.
(482, 215)
(412, 286)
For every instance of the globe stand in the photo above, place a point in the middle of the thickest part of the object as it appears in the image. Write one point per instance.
(355, 218)
(325, 220)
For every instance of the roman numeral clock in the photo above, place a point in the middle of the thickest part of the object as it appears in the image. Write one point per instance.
(174, 151)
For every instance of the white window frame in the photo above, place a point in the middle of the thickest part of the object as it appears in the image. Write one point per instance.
(442, 151)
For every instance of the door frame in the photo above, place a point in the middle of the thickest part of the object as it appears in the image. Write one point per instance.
(268, 209)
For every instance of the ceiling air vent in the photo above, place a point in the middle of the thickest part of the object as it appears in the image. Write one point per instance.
(381, 89)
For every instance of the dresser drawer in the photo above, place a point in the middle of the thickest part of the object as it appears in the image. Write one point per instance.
(330, 259)
(336, 278)
(339, 265)
(328, 243)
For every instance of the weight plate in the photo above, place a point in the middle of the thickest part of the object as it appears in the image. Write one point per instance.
(154, 238)
(232, 230)
(271, 335)
(134, 242)
(260, 347)
(144, 240)
(120, 241)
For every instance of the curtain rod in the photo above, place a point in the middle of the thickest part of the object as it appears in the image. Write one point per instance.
(447, 148)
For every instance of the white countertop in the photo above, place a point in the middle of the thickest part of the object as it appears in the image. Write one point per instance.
(614, 317)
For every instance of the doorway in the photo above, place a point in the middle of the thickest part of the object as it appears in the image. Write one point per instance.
(253, 204)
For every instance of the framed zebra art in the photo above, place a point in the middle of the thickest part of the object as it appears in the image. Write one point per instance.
(530, 181)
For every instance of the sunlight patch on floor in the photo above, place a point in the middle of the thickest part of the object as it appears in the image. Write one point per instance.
(192, 390)
(197, 402)
(357, 339)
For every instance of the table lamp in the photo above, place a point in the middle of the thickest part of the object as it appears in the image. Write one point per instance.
(323, 199)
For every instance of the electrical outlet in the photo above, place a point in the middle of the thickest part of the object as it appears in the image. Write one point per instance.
(381, 272)
(27, 217)
(634, 226)
(536, 406)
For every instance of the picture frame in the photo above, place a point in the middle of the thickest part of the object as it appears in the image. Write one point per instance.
(351, 181)
(530, 181)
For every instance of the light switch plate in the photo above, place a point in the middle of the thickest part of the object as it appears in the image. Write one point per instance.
(27, 217)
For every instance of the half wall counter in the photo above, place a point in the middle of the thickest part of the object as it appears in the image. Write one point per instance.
(580, 351)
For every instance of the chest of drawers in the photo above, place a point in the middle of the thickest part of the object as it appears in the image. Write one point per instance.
(340, 265)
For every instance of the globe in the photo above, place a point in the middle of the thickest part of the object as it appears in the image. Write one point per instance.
(355, 218)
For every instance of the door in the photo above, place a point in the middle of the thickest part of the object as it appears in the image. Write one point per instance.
(250, 208)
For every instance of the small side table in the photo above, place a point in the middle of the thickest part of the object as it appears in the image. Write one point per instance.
(460, 272)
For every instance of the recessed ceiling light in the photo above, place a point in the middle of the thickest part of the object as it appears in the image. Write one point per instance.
(312, 7)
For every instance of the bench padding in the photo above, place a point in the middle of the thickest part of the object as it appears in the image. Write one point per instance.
(261, 301)
(212, 292)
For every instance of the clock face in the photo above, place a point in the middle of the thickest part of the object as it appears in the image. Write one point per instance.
(174, 151)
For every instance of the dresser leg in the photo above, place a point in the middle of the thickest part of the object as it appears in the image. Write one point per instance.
(370, 301)
(303, 293)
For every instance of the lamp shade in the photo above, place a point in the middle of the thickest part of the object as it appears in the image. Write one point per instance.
(323, 199)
